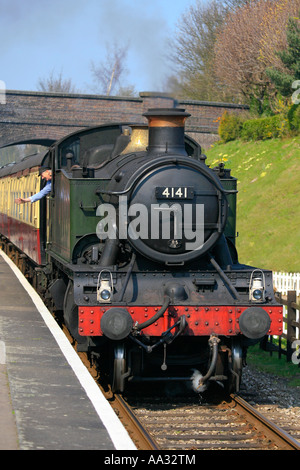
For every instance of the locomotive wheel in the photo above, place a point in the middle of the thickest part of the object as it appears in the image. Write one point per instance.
(119, 369)
(71, 314)
(234, 380)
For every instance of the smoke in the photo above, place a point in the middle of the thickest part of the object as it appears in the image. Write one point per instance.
(195, 378)
(142, 26)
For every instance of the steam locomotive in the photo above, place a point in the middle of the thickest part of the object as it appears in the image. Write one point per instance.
(136, 246)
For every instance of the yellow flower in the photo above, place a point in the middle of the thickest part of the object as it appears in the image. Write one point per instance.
(263, 174)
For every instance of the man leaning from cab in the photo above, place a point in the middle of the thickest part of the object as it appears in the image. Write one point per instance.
(46, 175)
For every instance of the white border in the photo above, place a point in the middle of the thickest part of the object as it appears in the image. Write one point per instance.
(115, 429)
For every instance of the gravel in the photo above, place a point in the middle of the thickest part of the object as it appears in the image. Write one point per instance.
(273, 397)
(263, 388)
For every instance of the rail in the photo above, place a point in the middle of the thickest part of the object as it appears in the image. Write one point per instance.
(286, 441)
(140, 434)
(185, 424)
(287, 343)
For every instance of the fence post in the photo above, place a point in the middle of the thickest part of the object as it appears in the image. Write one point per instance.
(291, 319)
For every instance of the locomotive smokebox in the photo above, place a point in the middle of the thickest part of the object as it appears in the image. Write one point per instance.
(166, 131)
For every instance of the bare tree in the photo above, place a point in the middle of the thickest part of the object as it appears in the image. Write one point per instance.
(246, 45)
(236, 51)
(128, 90)
(193, 50)
(274, 38)
(234, 4)
(108, 74)
(56, 84)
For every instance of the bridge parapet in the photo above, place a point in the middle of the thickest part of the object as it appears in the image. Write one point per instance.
(37, 116)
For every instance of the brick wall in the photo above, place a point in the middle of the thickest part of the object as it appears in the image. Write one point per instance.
(36, 116)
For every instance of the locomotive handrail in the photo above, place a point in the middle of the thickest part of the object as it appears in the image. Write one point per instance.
(224, 277)
(114, 193)
(163, 160)
(127, 276)
(88, 208)
(230, 191)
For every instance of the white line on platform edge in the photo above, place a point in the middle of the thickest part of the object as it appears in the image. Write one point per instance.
(2, 353)
(115, 428)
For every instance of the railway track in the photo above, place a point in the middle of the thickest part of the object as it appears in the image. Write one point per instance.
(138, 432)
(189, 426)
(159, 423)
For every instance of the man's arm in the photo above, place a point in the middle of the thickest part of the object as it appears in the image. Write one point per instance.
(20, 200)
(36, 197)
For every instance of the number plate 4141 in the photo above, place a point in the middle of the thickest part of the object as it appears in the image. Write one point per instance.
(174, 192)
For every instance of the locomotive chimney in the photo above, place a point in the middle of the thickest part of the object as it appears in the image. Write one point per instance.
(166, 130)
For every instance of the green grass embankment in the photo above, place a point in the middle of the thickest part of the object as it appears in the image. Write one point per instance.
(268, 208)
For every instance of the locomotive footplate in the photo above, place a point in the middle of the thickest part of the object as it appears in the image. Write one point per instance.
(201, 321)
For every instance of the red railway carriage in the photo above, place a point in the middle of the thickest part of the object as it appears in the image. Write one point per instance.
(24, 225)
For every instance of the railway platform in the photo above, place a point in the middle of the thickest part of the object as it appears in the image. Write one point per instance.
(48, 400)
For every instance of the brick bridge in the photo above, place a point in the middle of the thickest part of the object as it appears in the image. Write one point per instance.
(38, 117)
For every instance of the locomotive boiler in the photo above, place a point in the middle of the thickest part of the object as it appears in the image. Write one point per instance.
(139, 254)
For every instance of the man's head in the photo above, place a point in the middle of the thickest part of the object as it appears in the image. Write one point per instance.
(45, 173)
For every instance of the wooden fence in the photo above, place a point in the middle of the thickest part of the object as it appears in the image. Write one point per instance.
(288, 343)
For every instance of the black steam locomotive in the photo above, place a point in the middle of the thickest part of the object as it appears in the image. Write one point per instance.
(138, 252)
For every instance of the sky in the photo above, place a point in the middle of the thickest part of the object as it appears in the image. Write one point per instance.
(40, 37)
